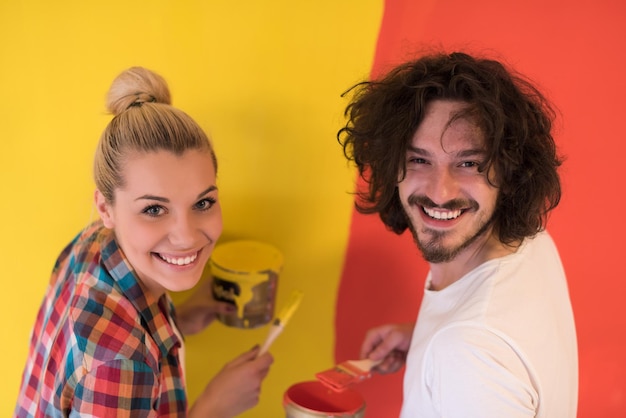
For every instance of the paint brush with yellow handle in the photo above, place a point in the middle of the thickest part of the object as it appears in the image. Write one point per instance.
(281, 320)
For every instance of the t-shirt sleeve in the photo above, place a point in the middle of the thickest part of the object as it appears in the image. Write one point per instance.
(473, 372)
(118, 388)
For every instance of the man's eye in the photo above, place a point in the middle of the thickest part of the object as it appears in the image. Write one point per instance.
(153, 210)
(205, 204)
(470, 164)
(416, 160)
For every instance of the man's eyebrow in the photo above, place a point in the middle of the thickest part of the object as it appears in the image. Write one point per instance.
(166, 200)
(472, 152)
(418, 150)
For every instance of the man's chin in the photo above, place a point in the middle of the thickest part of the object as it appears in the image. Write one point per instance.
(438, 255)
(435, 249)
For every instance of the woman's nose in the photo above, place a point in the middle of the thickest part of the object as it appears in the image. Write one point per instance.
(183, 231)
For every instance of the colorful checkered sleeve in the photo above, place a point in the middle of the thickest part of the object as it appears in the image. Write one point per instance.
(101, 345)
(120, 388)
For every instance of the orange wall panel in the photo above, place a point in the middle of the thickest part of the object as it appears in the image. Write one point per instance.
(576, 52)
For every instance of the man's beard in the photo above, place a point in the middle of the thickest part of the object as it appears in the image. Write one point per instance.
(433, 249)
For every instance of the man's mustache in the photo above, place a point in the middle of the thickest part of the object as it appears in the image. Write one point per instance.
(454, 204)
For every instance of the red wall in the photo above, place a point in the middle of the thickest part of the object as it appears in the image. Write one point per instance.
(576, 52)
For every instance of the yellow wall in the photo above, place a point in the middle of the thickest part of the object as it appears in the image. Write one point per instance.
(264, 79)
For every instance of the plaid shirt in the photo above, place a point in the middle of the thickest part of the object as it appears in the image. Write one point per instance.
(101, 346)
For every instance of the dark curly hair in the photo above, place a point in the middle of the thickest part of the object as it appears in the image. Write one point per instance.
(515, 118)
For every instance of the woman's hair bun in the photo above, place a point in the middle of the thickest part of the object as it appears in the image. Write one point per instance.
(135, 86)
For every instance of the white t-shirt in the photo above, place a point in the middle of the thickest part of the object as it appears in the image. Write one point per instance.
(499, 342)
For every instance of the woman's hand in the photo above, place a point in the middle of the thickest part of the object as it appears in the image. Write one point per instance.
(235, 389)
(200, 309)
(389, 343)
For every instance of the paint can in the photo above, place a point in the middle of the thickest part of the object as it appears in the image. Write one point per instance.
(314, 400)
(245, 273)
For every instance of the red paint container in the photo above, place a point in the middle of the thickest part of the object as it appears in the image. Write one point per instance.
(314, 400)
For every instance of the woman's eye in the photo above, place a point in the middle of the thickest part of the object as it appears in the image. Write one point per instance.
(153, 210)
(205, 204)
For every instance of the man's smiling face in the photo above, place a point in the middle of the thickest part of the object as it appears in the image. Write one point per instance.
(449, 203)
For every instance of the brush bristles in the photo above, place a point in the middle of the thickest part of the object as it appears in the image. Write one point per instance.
(341, 376)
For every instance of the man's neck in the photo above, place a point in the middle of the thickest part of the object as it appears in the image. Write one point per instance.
(444, 274)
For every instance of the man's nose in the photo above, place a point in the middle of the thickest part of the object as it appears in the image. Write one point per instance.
(443, 185)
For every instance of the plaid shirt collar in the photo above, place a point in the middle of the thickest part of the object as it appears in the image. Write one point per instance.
(144, 302)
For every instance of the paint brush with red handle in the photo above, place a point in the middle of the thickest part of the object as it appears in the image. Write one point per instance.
(345, 374)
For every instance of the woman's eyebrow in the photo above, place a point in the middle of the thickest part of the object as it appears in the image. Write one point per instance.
(152, 197)
(166, 200)
(209, 190)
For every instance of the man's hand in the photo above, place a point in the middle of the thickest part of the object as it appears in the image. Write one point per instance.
(389, 343)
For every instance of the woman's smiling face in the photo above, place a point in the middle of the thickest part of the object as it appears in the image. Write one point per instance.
(167, 217)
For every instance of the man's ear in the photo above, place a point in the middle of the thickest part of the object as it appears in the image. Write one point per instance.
(104, 209)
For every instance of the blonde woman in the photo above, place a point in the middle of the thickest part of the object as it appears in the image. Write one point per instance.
(107, 340)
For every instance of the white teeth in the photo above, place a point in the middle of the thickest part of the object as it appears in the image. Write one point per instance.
(180, 261)
(443, 215)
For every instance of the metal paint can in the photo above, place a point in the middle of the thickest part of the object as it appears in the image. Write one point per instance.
(314, 400)
(245, 273)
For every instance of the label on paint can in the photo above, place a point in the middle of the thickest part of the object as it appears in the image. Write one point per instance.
(245, 273)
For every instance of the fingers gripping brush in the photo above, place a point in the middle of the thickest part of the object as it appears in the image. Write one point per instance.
(281, 320)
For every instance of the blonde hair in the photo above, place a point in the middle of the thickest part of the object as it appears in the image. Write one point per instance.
(144, 121)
